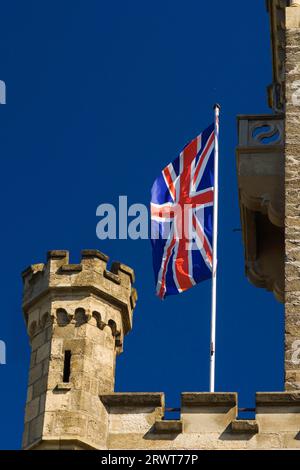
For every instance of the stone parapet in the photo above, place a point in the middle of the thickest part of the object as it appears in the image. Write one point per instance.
(206, 421)
(90, 276)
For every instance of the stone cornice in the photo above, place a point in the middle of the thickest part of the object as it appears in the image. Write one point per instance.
(133, 400)
(277, 398)
(208, 399)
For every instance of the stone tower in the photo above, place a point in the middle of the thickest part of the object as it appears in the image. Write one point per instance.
(77, 316)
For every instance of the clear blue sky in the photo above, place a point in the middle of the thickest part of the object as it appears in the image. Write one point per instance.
(100, 96)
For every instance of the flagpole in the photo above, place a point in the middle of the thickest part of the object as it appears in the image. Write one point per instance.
(214, 260)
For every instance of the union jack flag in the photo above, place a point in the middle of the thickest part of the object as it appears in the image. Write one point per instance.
(182, 217)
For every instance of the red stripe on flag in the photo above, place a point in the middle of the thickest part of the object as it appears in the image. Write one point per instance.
(199, 199)
(204, 153)
(182, 259)
(169, 180)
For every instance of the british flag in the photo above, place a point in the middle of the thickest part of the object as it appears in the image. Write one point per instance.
(182, 217)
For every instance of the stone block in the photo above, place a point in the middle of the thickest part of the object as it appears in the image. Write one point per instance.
(58, 401)
(70, 423)
(207, 412)
(244, 426)
(38, 341)
(32, 359)
(32, 409)
(43, 403)
(49, 423)
(29, 393)
(25, 437)
(43, 352)
(133, 400)
(133, 412)
(57, 347)
(278, 411)
(36, 428)
(35, 373)
(40, 386)
(96, 430)
(168, 426)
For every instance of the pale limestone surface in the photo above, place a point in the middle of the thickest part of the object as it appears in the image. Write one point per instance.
(292, 197)
(86, 310)
(208, 422)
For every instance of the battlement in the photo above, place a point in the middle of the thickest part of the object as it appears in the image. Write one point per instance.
(91, 275)
(207, 421)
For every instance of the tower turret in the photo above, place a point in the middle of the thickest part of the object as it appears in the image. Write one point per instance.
(77, 316)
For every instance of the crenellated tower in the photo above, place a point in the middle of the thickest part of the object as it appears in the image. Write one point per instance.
(77, 316)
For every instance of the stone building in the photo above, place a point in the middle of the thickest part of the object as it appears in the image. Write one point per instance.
(78, 314)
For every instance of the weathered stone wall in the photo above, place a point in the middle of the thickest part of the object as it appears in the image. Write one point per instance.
(292, 199)
(85, 310)
(207, 421)
(40, 333)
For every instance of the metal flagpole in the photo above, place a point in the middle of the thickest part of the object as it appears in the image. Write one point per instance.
(214, 260)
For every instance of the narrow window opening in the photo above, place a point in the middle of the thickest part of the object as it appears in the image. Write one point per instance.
(67, 367)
